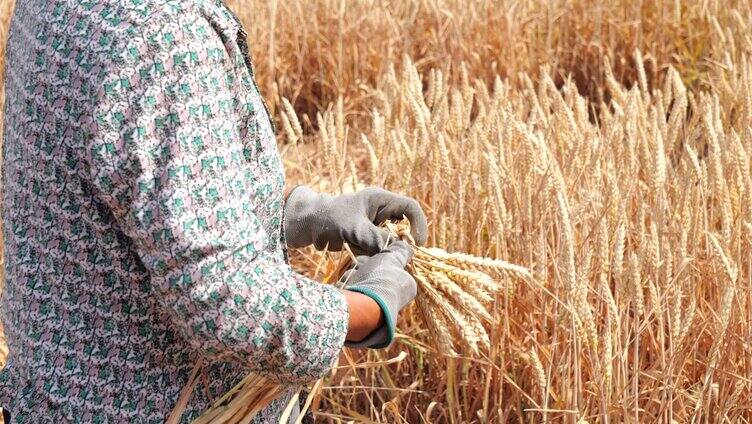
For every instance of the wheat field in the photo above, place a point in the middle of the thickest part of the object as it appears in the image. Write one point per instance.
(605, 146)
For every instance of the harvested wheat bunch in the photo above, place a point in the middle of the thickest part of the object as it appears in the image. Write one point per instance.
(456, 292)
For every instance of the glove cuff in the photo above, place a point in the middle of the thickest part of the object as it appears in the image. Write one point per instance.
(383, 336)
(297, 212)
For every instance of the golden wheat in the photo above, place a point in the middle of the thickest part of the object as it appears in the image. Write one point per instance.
(612, 213)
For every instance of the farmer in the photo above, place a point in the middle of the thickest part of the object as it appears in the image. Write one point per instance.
(146, 221)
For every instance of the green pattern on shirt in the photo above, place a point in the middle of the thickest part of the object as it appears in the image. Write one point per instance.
(142, 202)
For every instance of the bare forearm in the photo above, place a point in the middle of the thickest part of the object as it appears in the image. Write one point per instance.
(365, 316)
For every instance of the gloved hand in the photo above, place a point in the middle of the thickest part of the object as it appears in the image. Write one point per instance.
(383, 278)
(324, 220)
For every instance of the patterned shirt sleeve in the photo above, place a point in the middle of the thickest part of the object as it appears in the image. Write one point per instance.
(175, 162)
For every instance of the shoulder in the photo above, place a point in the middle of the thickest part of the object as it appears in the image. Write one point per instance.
(161, 22)
(108, 26)
(122, 15)
(98, 25)
(156, 36)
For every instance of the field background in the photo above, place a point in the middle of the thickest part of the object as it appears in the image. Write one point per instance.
(604, 145)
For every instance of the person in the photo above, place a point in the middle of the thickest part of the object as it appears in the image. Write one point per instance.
(146, 221)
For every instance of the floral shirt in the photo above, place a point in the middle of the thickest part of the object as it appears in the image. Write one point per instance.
(142, 206)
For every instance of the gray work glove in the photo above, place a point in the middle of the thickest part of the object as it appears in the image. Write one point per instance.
(383, 278)
(324, 220)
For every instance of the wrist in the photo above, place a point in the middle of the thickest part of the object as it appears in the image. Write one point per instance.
(382, 334)
(365, 316)
(289, 190)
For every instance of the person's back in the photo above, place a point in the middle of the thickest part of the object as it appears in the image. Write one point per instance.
(90, 340)
(146, 222)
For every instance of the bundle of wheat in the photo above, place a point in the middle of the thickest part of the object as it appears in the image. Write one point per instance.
(455, 294)
(239, 405)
